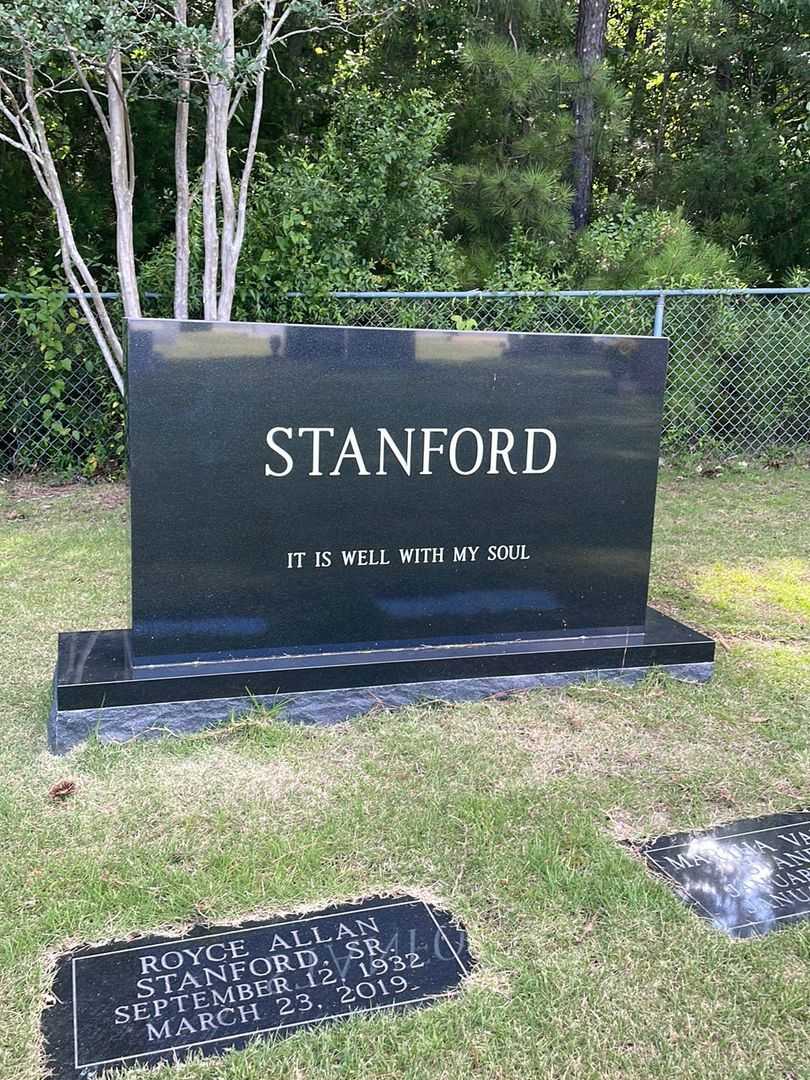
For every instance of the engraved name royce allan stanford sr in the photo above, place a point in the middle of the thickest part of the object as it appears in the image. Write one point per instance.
(325, 518)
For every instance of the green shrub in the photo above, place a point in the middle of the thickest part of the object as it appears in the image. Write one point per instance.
(366, 212)
(630, 248)
(58, 406)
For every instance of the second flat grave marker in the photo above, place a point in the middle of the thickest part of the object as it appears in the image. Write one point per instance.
(747, 878)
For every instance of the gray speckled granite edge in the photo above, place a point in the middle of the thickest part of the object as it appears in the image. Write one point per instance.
(69, 728)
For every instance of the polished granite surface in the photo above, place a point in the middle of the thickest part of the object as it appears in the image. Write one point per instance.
(333, 519)
(747, 878)
(278, 474)
(68, 728)
(144, 1001)
(95, 668)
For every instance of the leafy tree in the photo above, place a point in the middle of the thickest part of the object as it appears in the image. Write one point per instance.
(719, 118)
(512, 130)
(700, 105)
(634, 248)
(366, 211)
(300, 92)
(123, 50)
(508, 71)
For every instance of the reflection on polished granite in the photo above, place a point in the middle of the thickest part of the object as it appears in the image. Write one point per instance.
(747, 878)
(106, 1013)
(96, 668)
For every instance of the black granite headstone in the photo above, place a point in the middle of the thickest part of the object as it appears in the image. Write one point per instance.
(747, 878)
(308, 487)
(161, 999)
(343, 515)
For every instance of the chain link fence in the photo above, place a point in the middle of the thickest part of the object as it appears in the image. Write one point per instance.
(59, 409)
(738, 382)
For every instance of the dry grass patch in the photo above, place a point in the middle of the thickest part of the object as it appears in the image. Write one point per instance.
(590, 740)
(167, 789)
(33, 502)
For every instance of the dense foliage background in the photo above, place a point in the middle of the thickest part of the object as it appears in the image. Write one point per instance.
(440, 146)
(435, 150)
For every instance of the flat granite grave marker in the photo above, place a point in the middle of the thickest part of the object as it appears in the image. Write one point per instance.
(747, 878)
(337, 517)
(214, 989)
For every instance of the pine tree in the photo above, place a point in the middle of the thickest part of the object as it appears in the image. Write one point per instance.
(512, 130)
(591, 27)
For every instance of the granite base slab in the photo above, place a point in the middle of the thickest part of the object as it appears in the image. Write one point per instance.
(68, 728)
(102, 688)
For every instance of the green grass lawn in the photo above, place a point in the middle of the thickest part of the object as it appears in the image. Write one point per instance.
(508, 812)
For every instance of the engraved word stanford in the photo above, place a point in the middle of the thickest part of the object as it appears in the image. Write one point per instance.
(466, 451)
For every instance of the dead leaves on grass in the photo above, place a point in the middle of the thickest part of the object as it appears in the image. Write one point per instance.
(62, 789)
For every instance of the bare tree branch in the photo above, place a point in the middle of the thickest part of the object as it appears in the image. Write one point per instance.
(229, 287)
(89, 314)
(74, 264)
(94, 100)
(209, 214)
(12, 142)
(283, 74)
(221, 96)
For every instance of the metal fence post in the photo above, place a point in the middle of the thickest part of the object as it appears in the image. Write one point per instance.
(658, 323)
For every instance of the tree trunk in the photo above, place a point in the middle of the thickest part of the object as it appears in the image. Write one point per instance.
(660, 134)
(217, 187)
(591, 27)
(122, 172)
(209, 214)
(76, 269)
(224, 217)
(182, 252)
(228, 287)
(221, 94)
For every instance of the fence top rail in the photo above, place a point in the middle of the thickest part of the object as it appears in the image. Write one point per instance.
(480, 294)
(483, 294)
(68, 295)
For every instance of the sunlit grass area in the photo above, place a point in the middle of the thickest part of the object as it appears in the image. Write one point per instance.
(509, 812)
